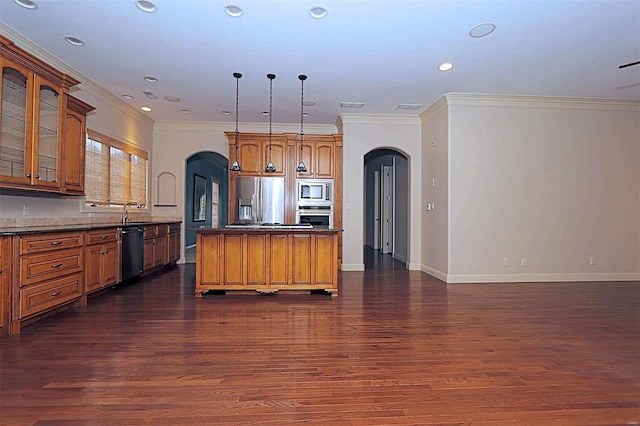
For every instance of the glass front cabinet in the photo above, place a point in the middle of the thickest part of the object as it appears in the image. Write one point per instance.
(32, 121)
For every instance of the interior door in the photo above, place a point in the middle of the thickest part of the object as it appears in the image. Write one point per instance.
(387, 209)
(376, 210)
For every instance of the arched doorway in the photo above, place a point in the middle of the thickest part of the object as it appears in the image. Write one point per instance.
(386, 208)
(206, 197)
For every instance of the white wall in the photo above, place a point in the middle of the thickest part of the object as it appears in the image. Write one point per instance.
(361, 134)
(435, 190)
(552, 180)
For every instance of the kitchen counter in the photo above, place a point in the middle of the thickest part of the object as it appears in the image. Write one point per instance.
(266, 259)
(39, 229)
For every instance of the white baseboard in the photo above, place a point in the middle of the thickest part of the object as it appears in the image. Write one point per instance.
(190, 247)
(350, 267)
(400, 257)
(414, 267)
(442, 276)
(470, 278)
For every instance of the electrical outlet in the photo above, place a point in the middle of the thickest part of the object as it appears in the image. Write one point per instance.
(523, 261)
(25, 210)
(592, 260)
(505, 261)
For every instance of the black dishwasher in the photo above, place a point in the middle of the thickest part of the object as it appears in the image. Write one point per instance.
(131, 252)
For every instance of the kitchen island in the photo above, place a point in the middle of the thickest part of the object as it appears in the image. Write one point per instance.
(267, 259)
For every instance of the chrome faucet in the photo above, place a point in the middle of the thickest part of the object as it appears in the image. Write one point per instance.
(125, 213)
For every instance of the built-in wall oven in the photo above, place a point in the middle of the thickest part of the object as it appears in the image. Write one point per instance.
(318, 216)
(314, 192)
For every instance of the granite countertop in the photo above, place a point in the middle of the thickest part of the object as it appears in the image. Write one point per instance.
(40, 229)
(238, 229)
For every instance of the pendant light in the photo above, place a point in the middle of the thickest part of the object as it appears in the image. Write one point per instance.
(270, 167)
(235, 167)
(302, 168)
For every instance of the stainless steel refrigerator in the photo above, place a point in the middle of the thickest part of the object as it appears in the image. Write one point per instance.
(259, 200)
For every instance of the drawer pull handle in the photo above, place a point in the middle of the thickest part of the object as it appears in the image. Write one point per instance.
(57, 293)
(0, 271)
(104, 237)
(56, 243)
(57, 265)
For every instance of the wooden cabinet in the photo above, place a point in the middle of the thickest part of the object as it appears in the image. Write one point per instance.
(266, 260)
(155, 246)
(73, 148)
(5, 282)
(49, 274)
(102, 259)
(318, 157)
(174, 243)
(32, 130)
(255, 151)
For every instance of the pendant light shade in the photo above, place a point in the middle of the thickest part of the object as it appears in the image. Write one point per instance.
(302, 168)
(235, 167)
(270, 168)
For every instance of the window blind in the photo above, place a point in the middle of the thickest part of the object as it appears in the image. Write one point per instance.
(115, 172)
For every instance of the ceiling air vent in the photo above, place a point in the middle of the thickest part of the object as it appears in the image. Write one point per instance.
(351, 104)
(409, 106)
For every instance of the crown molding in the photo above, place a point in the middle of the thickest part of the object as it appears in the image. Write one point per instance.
(485, 99)
(250, 127)
(378, 119)
(433, 109)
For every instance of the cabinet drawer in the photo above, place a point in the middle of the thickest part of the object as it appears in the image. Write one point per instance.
(162, 230)
(174, 228)
(41, 297)
(48, 266)
(102, 236)
(45, 242)
(150, 231)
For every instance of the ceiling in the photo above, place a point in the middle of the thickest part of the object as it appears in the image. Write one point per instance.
(381, 53)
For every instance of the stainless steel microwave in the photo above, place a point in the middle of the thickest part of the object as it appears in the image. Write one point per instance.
(314, 192)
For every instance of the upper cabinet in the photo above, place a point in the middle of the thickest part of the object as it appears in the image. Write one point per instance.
(33, 125)
(74, 145)
(255, 150)
(318, 157)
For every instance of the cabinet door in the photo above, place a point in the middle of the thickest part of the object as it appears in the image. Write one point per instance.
(250, 158)
(110, 264)
(5, 300)
(45, 169)
(15, 133)
(276, 152)
(209, 258)
(324, 160)
(301, 258)
(256, 259)
(160, 251)
(92, 267)
(325, 259)
(74, 153)
(233, 259)
(305, 152)
(149, 254)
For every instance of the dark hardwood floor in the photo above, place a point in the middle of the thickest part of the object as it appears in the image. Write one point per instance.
(395, 347)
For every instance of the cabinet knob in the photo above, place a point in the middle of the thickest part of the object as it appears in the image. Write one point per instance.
(29, 175)
(37, 176)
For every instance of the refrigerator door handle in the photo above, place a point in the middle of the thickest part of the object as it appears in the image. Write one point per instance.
(259, 203)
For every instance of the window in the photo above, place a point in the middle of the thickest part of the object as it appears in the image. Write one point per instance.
(115, 172)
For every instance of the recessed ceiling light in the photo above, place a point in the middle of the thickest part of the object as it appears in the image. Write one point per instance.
(482, 30)
(309, 103)
(146, 6)
(445, 66)
(150, 79)
(233, 10)
(318, 12)
(265, 113)
(146, 108)
(150, 95)
(27, 4)
(172, 98)
(351, 104)
(127, 97)
(74, 41)
(305, 114)
(226, 113)
(186, 111)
